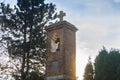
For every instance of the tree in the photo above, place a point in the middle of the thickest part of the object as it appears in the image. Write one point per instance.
(118, 73)
(35, 76)
(25, 34)
(107, 65)
(113, 62)
(101, 65)
(89, 73)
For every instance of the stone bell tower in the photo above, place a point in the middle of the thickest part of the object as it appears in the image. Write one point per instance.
(61, 50)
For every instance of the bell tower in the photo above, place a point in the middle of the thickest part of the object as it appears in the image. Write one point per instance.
(61, 50)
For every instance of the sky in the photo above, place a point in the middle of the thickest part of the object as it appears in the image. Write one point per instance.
(98, 24)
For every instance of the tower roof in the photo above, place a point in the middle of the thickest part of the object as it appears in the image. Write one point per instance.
(61, 24)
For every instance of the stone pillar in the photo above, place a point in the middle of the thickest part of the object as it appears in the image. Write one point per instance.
(61, 51)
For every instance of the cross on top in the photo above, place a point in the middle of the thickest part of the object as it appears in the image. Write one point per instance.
(61, 15)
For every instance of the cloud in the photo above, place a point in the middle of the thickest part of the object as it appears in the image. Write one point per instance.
(117, 1)
(92, 30)
(96, 31)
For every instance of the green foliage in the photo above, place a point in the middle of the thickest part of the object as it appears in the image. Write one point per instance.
(35, 76)
(100, 62)
(24, 33)
(118, 73)
(107, 65)
(89, 73)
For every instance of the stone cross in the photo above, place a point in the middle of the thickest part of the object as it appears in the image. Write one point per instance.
(61, 15)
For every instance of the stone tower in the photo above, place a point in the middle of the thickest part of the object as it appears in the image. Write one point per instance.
(61, 49)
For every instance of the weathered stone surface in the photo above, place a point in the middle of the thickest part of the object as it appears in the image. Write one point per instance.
(66, 56)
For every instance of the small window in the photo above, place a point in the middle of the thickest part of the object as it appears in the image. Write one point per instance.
(55, 65)
(57, 41)
(55, 45)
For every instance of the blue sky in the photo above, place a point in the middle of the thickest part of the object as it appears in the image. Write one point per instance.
(98, 22)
